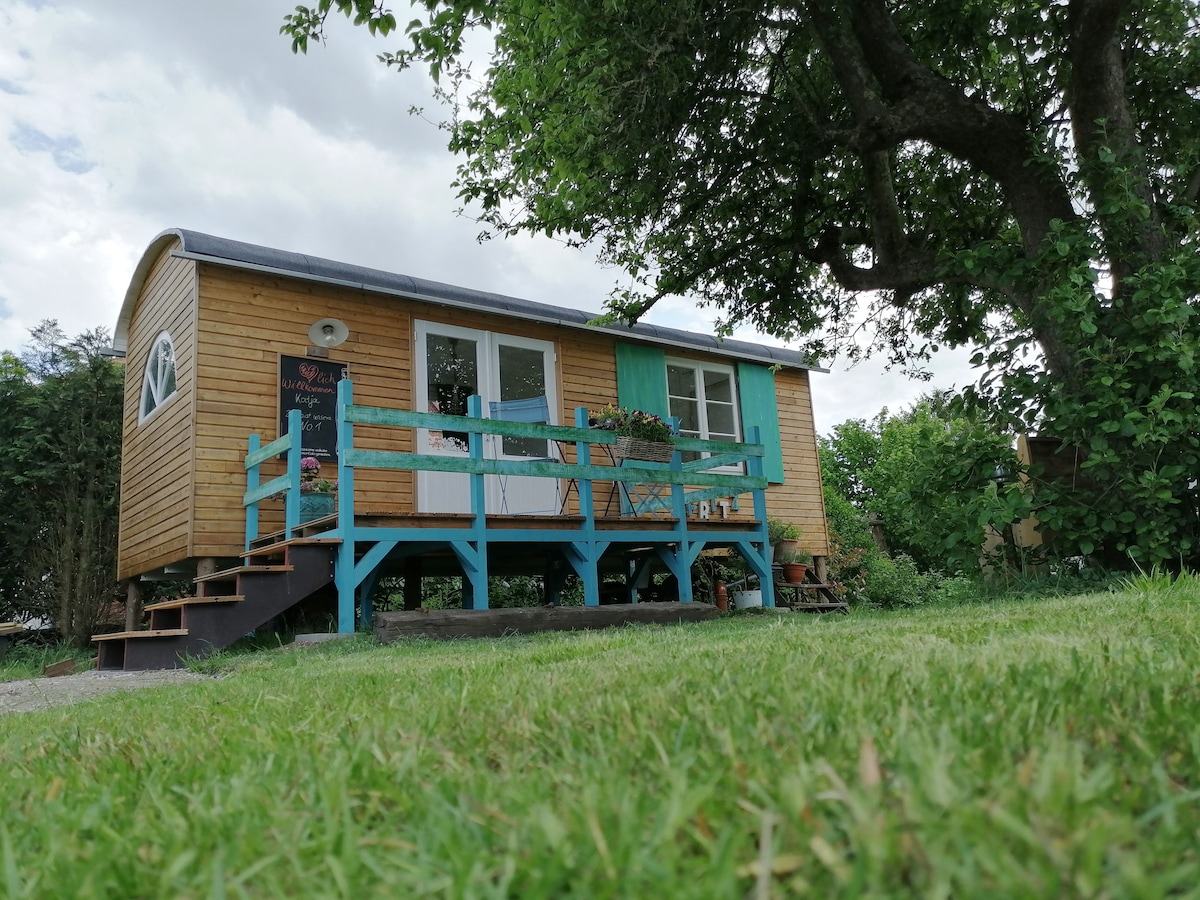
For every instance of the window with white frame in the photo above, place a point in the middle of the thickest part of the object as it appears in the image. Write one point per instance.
(702, 395)
(159, 381)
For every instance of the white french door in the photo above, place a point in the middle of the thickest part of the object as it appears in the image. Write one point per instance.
(452, 363)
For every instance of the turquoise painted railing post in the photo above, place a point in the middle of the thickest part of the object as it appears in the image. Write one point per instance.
(252, 477)
(583, 457)
(584, 544)
(586, 547)
(291, 503)
(479, 578)
(754, 466)
(343, 572)
(682, 565)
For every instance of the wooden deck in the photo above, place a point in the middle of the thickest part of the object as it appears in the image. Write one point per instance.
(662, 523)
(500, 523)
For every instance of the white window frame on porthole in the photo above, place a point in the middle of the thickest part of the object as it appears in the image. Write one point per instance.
(705, 430)
(159, 380)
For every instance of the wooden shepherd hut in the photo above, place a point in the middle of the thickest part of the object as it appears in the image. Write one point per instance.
(455, 423)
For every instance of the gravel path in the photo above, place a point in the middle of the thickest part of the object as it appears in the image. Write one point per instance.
(31, 694)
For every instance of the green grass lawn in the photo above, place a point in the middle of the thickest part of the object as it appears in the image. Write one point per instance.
(1043, 748)
(28, 661)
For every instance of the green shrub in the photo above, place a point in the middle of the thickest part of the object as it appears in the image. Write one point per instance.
(848, 521)
(956, 590)
(895, 582)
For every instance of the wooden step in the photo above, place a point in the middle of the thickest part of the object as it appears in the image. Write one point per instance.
(281, 546)
(326, 523)
(11, 628)
(123, 635)
(189, 601)
(804, 585)
(230, 574)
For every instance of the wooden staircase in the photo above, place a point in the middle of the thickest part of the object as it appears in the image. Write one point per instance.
(810, 595)
(228, 605)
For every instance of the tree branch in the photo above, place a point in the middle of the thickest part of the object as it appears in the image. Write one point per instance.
(925, 106)
(1110, 155)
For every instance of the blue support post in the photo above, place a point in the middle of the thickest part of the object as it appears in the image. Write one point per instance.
(584, 554)
(366, 576)
(583, 457)
(291, 503)
(252, 480)
(681, 564)
(754, 466)
(366, 592)
(478, 573)
(584, 557)
(679, 560)
(343, 574)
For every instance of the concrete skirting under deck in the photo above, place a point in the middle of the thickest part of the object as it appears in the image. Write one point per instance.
(455, 623)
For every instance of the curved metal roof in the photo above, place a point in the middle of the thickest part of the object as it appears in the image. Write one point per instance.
(236, 254)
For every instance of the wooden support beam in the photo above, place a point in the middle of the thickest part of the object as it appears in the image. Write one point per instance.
(133, 605)
(454, 623)
(412, 583)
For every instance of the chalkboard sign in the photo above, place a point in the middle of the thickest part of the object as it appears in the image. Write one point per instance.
(310, 385)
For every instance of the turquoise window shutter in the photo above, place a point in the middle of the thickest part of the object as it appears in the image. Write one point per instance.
(756, 391)
(642, 378)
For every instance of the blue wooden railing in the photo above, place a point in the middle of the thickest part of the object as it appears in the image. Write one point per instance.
(287, 484)
(690, 482)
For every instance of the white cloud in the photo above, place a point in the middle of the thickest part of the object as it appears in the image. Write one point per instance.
(120, 118)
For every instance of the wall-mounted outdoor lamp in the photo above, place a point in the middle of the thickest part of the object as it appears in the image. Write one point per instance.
(328, 332)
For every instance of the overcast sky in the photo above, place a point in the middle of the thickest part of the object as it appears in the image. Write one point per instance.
(121, 118)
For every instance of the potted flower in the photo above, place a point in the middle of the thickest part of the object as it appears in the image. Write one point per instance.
(640, 435)
(783, 537)
(795, 565)
(607, 418)
(317, 494)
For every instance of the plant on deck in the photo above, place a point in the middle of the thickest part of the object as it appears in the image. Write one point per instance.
(779, 530)
(633, 423)
(311, 481)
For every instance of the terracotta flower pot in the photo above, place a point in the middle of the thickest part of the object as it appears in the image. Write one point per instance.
(793, 573)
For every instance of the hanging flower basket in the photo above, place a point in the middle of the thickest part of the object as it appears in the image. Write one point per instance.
(647, 451)
(640, 435)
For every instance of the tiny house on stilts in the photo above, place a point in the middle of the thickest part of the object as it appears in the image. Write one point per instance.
(456, 424)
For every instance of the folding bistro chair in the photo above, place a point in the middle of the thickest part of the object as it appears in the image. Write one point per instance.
(532, 410)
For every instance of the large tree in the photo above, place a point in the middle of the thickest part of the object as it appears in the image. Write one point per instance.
(1020, 177)
(60, 452)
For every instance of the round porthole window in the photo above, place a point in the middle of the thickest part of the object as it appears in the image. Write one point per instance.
(159, 381)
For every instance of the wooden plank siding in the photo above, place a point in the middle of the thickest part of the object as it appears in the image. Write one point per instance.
(244, 321)
(156, 470)
(247, 320)
(799, 499)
